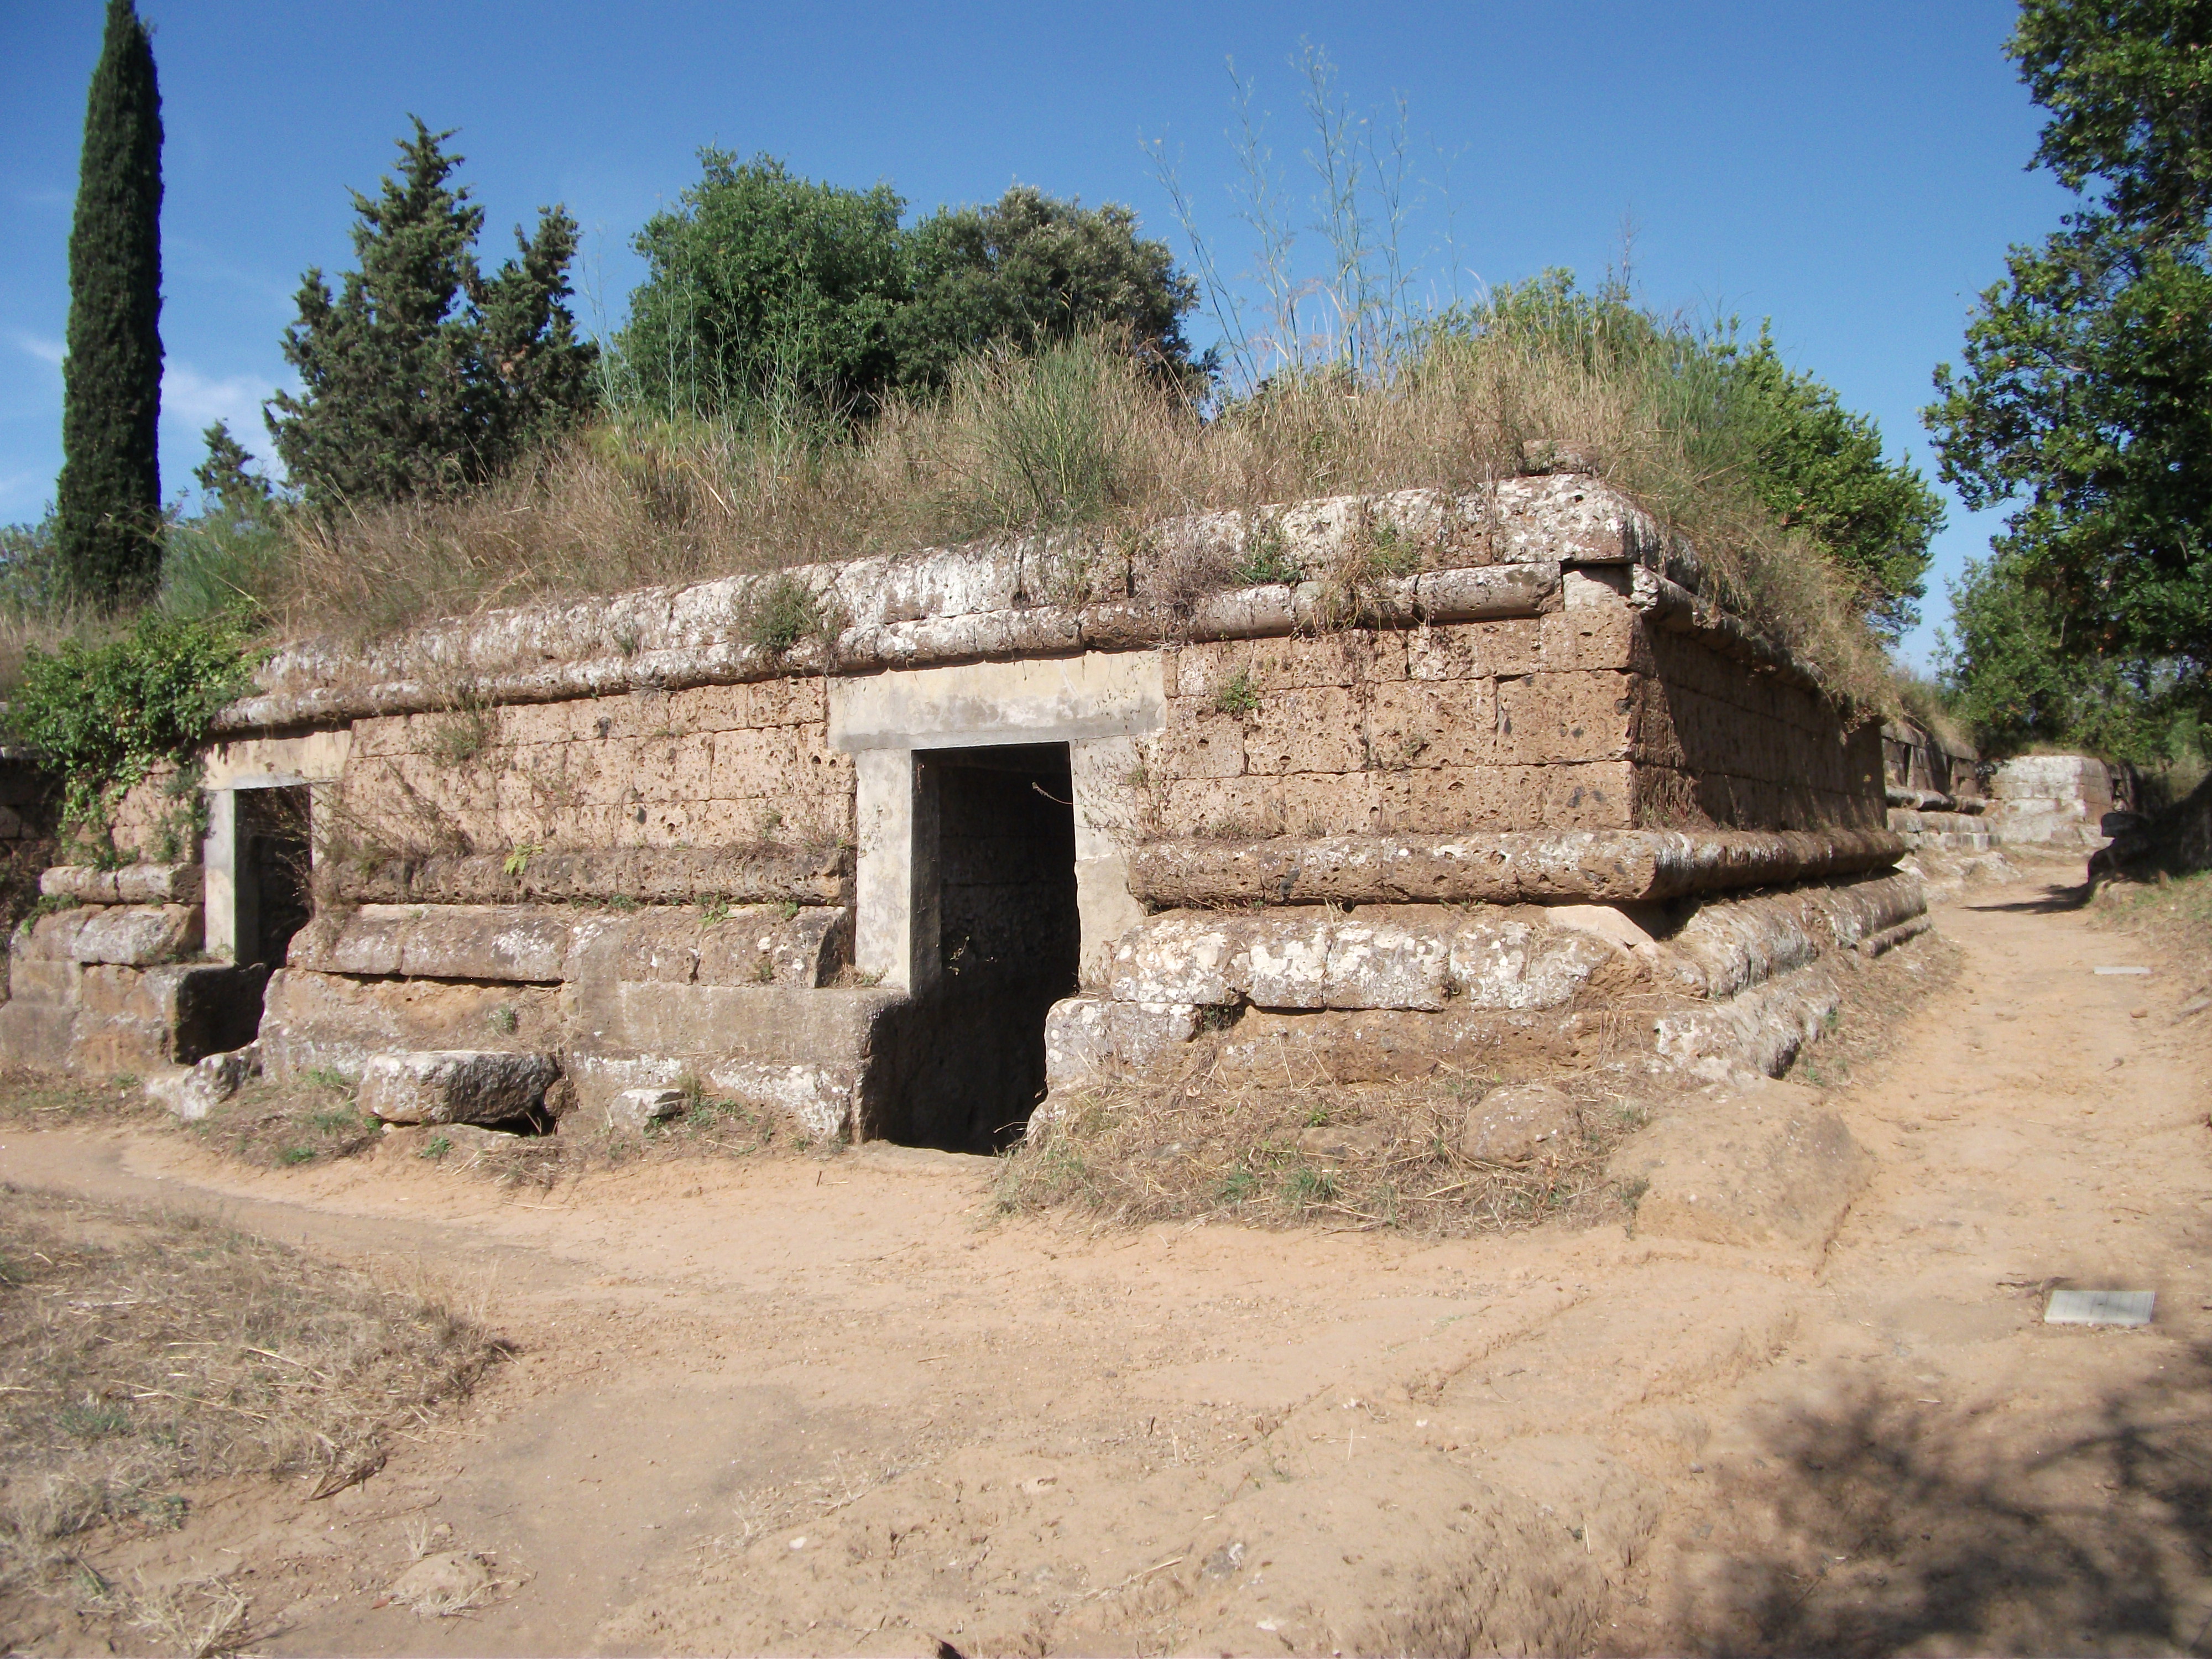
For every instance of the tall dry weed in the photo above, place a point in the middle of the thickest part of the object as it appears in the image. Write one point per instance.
(1079, 436)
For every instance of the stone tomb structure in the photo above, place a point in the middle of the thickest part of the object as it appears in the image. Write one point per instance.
(1491, 788)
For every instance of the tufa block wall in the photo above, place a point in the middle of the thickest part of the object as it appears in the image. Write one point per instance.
(1538, 708)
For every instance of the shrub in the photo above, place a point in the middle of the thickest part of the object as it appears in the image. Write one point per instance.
(106, 715)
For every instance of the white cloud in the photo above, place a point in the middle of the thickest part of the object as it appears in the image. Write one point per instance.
(22, 494)
(49, 352)
(192, 395)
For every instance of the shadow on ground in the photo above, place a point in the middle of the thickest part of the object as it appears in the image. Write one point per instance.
(2054, 900)
(1896, 1525)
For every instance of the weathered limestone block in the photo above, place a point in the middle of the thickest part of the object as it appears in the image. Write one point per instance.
(1729, 945)
(2039, 778)
(1950, 831)
(37, 1036)
(1500, 867)
(134, 884)
(456, 1085)
(30, 980)
(50, 938)
(1565, 717)
(1760, 1164)
(1387, 956)
(1387, 964)
(549, 945)
(1568, 515)
(1094, 1039)
(1509, 962)
(136, 935)
(1482, 593)
(639, 1034)
(314, 1021)
(820, 1099)
(510, 943)
(758, 873)
(134, 1019)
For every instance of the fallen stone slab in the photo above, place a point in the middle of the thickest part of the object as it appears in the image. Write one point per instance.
(633, 1109)
(455, 1085)
(194, 1092)
(1755, 1164)
(2129, 1309)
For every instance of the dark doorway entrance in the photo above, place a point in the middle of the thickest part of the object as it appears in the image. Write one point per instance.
(1010, 943)
(273, 871)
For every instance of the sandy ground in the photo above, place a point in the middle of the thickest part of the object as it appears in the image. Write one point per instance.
(841, 1406)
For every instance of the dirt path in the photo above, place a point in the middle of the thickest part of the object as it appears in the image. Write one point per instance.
(840, 1407)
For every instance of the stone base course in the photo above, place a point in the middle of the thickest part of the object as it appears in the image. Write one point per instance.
(1315, 996)
(109, 1018)
(749, 875)
(552, 945)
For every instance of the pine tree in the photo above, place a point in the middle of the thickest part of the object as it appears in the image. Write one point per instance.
(108, 504)
(420, 376)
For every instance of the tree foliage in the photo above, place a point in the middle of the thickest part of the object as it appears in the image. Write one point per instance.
(420, 374)
(215, 563)
(2010, 679)
(2084, 395)
(1031, 271)
(765, 288)
(108, 503)
(761, 284)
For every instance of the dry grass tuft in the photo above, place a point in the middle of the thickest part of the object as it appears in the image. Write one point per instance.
(1375, 1157)
(141, 1352)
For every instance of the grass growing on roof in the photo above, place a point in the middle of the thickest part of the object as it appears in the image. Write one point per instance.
(1080, 436)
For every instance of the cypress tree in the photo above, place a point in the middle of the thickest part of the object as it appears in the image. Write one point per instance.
(108, 506)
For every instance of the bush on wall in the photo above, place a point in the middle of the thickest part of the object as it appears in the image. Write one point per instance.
(105, 716)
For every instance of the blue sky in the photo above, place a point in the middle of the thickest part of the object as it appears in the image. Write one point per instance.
(1853, 172)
